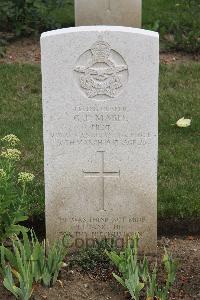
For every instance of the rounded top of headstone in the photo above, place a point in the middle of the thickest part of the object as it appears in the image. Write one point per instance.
(100, 29)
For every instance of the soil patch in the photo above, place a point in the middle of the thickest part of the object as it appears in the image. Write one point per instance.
(27, 50)
(76, 285)
(24, 50)
(178, 58)
(178, 226)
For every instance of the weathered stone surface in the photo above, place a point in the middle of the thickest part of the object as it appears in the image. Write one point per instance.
(100, 92)
(108, 12)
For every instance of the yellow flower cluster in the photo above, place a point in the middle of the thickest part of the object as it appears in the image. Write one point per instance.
(11, 154)
(25, 177)
(2, 174)
(11, 140)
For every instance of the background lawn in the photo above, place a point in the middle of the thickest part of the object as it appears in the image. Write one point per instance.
(178, 21)
(179, 155)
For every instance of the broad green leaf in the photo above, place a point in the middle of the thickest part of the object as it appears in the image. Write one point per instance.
(120, 280)
(20, 218)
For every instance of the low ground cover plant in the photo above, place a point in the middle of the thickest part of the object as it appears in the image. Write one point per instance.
(28, 262)
(25, 17)
(176, 21)
(136, 275)
(89, 257)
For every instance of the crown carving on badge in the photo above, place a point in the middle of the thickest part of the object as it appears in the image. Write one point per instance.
(101, 51)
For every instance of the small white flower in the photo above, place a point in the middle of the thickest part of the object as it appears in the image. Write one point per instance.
(183, 122)
(11, 154)
(64, 265)
(11, 140)
(25, 177)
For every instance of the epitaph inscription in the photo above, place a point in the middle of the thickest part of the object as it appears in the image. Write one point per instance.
(101, 77)
(100, 92)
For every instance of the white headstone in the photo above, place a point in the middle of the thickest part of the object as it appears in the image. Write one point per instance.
(108, 12)
(100, 94)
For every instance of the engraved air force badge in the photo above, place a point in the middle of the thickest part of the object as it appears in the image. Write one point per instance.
(102, 71)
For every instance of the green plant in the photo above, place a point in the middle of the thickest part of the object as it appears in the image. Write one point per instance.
(20, 266)
(170, 267)
(153, 290)
(29, 262)
(177, 22)
(186, 27)
(90, 257)
(24, 17)
(13, 189)
(51, 264)
(24, 291)
(136, 275)
(128, 266)
(3, 44)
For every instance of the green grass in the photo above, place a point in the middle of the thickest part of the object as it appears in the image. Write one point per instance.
(179, 155)
(21, 114)
(65, 14)
(178, 22)
(166, 12)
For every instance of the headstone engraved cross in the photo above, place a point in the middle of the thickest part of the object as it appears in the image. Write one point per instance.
(108, 5)
(100, 99)
(102, 174)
